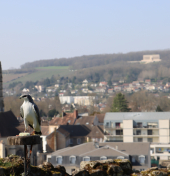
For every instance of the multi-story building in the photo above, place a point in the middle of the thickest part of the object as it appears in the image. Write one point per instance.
(151, 127)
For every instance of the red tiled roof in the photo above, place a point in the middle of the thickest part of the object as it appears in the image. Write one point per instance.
(100, 117)
(68, 118)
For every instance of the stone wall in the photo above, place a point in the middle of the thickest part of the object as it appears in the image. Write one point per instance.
(13, 165)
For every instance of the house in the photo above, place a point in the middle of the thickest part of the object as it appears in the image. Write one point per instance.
(40, 88)
(100, 118)
(100, 90)
(25, 90)
(159, 152)
(137, 127)
(87, 120)
(117, 88)
(85, 90)
(67, 118)
(110, 91)
(103, 84)
(114, 83)
(70, 157)
(71, 135)
(57, 85)
(50, 89)
(147, 81)
(85, 83)
(121, 81)
(93, 85)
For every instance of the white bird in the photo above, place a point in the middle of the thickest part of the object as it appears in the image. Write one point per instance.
(30, 113)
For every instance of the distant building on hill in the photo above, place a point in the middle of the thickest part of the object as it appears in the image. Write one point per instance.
(148, 59)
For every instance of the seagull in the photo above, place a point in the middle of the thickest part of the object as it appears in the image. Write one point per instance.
(30, 113)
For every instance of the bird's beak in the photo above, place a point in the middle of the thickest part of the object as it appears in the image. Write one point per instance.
(20, 97)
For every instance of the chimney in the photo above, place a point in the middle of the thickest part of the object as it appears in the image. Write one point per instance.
(116, 147)
(63, 114)
(75, 113)
(96, 144)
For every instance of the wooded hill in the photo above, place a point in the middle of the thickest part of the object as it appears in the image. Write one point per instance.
(95, 68)
(96, 60)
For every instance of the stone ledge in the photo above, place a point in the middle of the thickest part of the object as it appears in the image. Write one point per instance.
(23, 140)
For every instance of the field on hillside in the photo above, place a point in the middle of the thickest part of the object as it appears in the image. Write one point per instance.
(41, 73)
(12, 77)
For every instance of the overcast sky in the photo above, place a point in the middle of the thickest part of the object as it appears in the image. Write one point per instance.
(40, 29)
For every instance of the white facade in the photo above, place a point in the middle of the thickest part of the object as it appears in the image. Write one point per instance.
(151, 127)
(80, 100)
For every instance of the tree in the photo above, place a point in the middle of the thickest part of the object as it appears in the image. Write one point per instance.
(52, 113)
(158, 109)
(71, 108)
(120, 104)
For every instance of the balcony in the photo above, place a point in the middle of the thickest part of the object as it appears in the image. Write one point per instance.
(148, 126)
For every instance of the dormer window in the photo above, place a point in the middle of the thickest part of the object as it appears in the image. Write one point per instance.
(142, 159)
(103, 158)
(72, 159)
(59, 159)
(78, 141)
(86, 158)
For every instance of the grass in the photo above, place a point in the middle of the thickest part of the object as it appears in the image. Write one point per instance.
(41, 73)
(53, 67)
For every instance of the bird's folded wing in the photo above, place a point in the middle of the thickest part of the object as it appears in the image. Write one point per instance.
(21, 112)
(36, 110)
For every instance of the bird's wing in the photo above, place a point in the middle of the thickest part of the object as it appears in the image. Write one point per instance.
(21, 112)
(36, 110)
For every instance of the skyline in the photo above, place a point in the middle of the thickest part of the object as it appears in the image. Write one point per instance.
(46, 30)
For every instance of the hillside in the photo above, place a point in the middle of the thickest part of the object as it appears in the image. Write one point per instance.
(38, 74)
(108, 67)
(96, 60)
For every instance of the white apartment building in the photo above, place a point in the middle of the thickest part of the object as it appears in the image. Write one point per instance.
(80, 100)
(151, 127)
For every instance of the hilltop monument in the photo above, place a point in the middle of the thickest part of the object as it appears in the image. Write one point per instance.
(1, 91)
(147, 59)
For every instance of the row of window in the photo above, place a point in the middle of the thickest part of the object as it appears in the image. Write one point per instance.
(78, 141)
(141, 140)
(72, 159)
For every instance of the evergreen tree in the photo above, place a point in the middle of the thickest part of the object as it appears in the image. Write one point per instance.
(71, 108)
(158, 109)
(120, 104)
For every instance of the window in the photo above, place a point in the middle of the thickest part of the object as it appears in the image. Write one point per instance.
(72, 159)
(71, 141)
(48, 158)
(140, 140)
(59, 159)
(103, 158)
(120, 157)
(138, 132)
(78, 141)
(133, 160)
(149, 132)
(142, 159)
(150, 139)
(117, 125)
(107, 124)
(119, 132)
(139, 125)
(86, 158)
